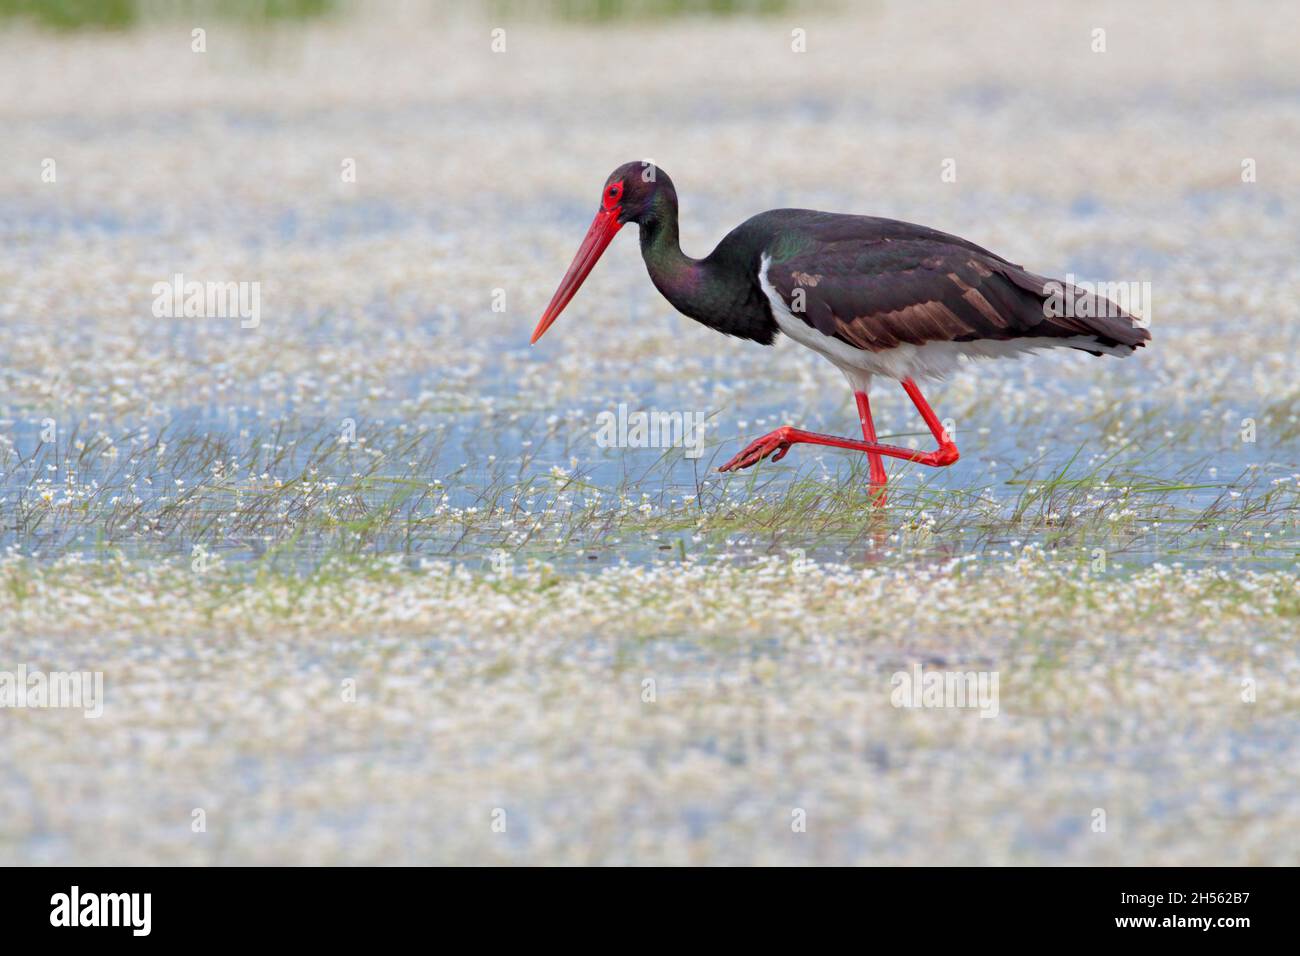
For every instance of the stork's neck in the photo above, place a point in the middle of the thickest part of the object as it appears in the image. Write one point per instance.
(719, 291)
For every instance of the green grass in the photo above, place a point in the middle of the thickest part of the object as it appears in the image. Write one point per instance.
(620, 10)
(122, 14)
(270, 499)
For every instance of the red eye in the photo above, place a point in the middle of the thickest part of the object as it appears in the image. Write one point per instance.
(613, 193)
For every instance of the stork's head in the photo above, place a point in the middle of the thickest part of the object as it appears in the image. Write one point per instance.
(634, 192)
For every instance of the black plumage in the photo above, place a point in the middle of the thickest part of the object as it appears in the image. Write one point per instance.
(877, 283)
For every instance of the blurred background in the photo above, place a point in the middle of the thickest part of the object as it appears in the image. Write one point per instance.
(75, 14)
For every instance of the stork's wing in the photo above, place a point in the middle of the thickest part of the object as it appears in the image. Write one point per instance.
(877, 283)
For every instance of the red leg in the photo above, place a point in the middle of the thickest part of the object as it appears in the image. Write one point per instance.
(777, 443)
(936, 427)
(876, 463)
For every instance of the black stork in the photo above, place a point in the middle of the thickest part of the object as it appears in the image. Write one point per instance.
(874, 296)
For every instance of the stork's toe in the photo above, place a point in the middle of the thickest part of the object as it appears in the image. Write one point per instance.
(759, 449)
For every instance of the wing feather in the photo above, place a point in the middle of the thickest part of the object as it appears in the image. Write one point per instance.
(875, 284)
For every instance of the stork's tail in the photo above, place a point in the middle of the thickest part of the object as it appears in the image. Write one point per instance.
(1086, 316)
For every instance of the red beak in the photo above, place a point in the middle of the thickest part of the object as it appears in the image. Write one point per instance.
(603, 229)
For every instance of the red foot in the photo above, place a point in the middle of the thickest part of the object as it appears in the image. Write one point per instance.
(944, 456)
(778, 441)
